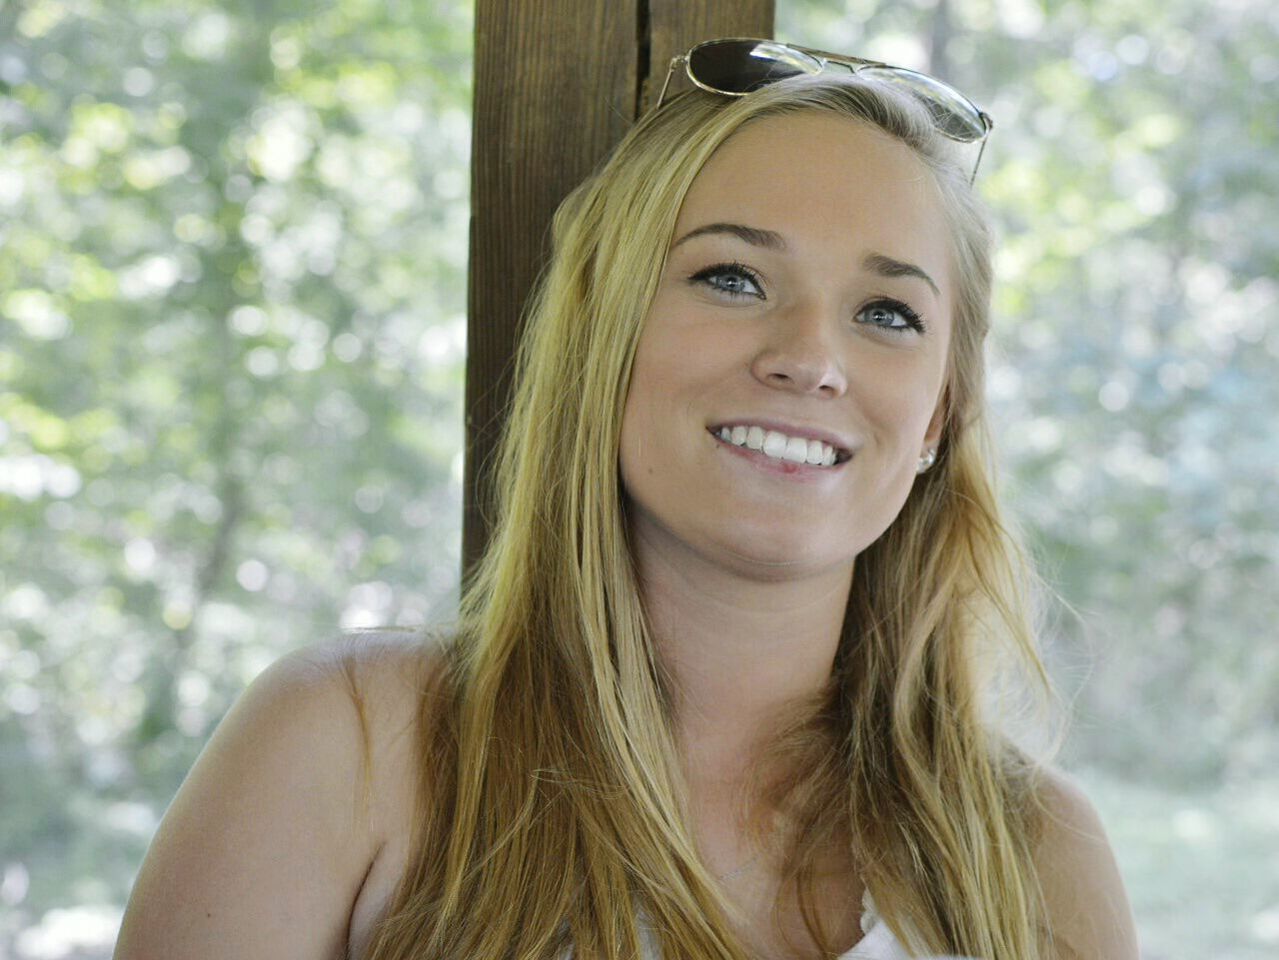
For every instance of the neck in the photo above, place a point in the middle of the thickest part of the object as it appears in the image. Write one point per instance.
(742, 651)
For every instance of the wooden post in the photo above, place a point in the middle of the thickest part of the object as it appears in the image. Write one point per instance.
(557, 84)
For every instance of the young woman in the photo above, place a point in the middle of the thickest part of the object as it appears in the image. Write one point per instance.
(722, 686)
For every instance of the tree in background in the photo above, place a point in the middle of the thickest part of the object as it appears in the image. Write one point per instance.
(232, 289)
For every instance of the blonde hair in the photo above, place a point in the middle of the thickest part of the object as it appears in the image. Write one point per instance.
(549, 808)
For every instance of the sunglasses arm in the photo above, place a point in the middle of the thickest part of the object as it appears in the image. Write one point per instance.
(670, 72)
(980, 150)
(989, 124)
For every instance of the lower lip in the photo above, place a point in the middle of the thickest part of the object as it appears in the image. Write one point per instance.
(784, 468)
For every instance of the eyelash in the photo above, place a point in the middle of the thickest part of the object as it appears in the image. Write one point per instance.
(914, 322)
(736, 269)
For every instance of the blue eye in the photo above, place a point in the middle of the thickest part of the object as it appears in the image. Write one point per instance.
(891, 315)
(731, 279)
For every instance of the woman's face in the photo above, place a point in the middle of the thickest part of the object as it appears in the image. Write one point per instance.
(806, 296)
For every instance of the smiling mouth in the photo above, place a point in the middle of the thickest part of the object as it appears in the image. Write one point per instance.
(778, 446)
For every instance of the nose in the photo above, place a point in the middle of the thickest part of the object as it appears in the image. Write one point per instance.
(801, 353)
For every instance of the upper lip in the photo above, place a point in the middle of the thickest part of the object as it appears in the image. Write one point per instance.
(841, 443)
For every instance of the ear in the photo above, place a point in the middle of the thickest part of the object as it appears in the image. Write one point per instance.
(932, 437)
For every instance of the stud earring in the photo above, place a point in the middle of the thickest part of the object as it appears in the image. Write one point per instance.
(927, 460)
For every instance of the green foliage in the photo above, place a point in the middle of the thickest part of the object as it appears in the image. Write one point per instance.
(1199, 864)
(232, 258)
(232, 327)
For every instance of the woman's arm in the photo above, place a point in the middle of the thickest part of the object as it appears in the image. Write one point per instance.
(1088, 908)
(264, 849)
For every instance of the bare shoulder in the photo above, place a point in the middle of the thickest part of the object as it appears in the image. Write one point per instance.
(1088, 908)
(265, 848)
(385, 672)
(387, 677)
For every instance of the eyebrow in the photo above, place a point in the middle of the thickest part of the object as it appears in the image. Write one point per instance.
(752, 235)
(888, 267)
(879, 263)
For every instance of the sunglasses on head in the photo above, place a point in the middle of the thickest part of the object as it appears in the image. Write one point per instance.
(734, 67)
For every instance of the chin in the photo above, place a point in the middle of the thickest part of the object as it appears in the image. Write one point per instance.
(779, 558)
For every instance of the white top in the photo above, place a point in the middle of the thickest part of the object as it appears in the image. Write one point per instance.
(877, 942)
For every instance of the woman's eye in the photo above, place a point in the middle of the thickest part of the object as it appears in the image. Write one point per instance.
(733, 279)
(891, 315)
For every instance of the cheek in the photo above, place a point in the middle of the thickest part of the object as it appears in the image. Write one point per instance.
(898, 406)
(647, 384)
(677, 360)
(643, 411)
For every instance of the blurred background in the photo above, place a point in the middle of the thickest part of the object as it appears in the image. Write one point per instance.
(232, 333)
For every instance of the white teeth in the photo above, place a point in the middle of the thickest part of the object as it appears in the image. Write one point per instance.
(779, 446)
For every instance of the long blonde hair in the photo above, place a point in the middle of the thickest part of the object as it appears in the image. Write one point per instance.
(550, 803)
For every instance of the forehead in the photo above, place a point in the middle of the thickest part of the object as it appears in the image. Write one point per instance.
(824, 182)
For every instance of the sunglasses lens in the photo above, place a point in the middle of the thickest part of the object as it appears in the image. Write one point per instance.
(740, 66)
(955, 115)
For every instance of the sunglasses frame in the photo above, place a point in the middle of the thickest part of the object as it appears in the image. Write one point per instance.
(824, 58)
